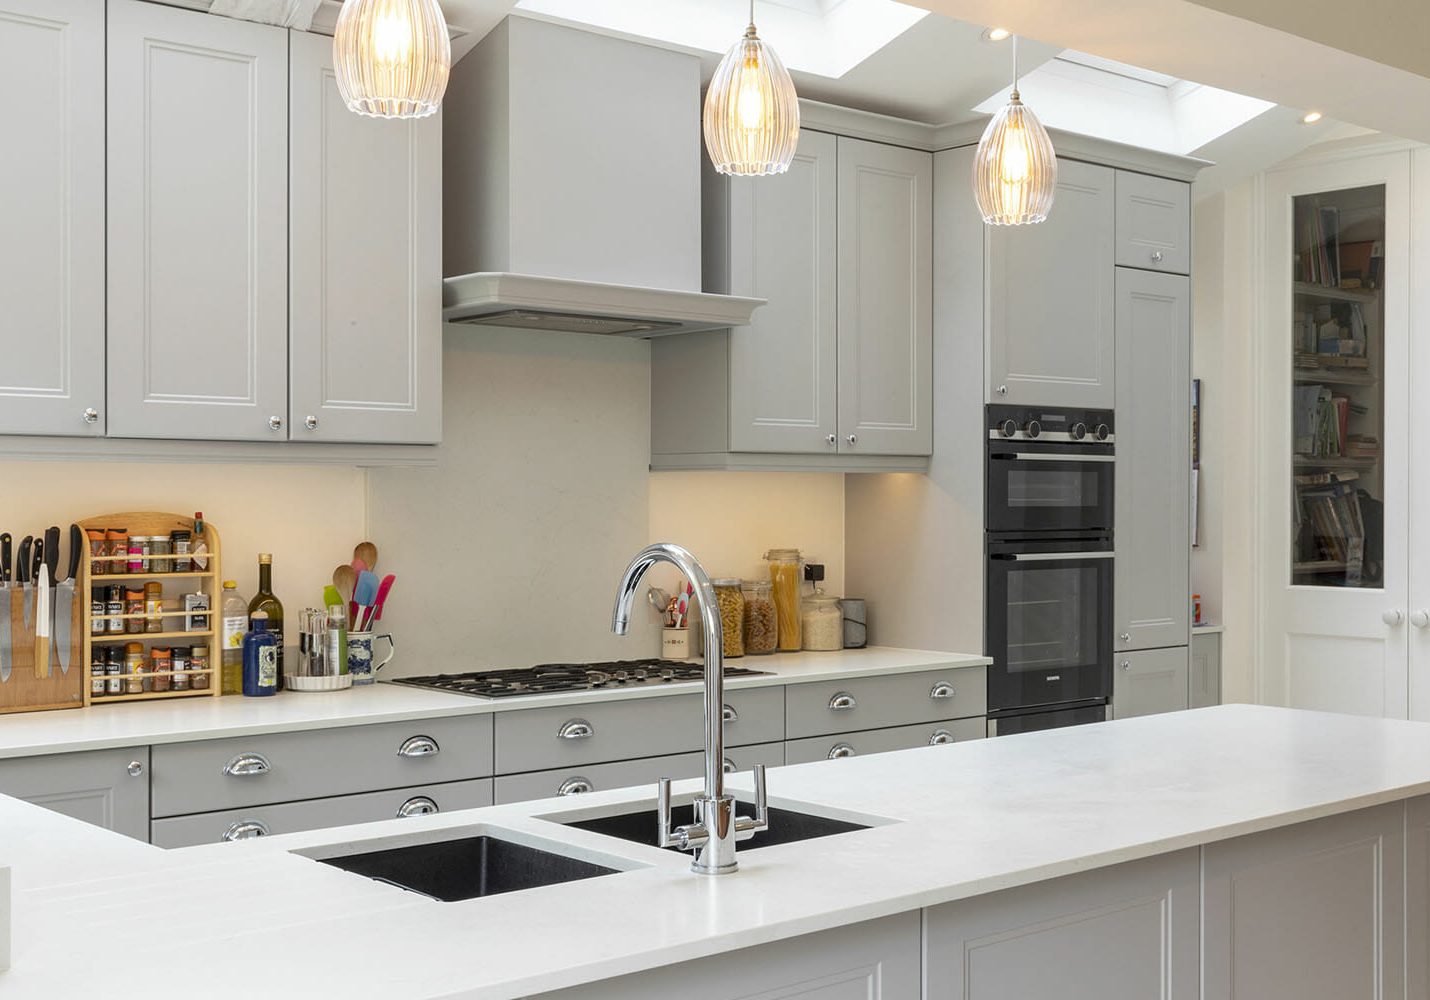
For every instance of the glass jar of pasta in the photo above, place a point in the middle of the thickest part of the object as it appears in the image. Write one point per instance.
(761, 632)
(784, 581)
(732, 616)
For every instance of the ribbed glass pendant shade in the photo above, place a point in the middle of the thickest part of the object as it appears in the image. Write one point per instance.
(392, 57)
(751, 119)
(1015, 172)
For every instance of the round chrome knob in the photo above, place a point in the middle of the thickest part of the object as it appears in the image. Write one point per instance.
(853, 438)
(575, 786)
(832, 439)
(135, 768)
(275, 423)
(91, 416)
(1078, 432)
(1009, 428)
(310, 422)
(1002, 390)
(1103, 432)
(1156, 256)
(1125, 637)
(1033, 429)
(1392, 617)
(1420, 618)
(1126, 664)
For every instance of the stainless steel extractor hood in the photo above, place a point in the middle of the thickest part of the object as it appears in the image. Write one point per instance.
(533, 302)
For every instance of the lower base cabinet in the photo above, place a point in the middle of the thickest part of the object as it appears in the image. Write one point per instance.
(109, 788)
(877, 960)
(1130, 932)
(1204, 677)
(884, 740)
(626, 773)
(1315, 911)
(1149, 681)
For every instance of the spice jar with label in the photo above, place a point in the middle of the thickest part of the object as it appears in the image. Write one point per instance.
(198, 668)
(161, 663)
(784, 581)
(117, 540)
(138, 553)
(732, 616)
(182, 543)
(179, 664)
(134, 615)
(153, 606)
(159, 552)
(113, 669)
(98, 549)
(96, 672)
(761, 631)
(98, 608)
(821, 622)
(134, 668)
(114, 608)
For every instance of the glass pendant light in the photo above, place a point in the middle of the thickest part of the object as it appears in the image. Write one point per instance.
(392, 57)
(751, 119)
(1015, 171)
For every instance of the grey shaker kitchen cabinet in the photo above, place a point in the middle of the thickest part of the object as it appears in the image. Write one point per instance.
(842, 745)
(1149, 681)
(1417, 897)
(1129, 932)
(365, 264)
(1151, 591)
(197, 225)
(1154, 223)
(876, 960)
(578, 779)
(885, 299)
(52, 204)
(1049, 305)
(109, 788)
(1313, 910)
(861, 703)
(1204, 675)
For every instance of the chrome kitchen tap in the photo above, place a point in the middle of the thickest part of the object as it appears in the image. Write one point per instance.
(716, 828)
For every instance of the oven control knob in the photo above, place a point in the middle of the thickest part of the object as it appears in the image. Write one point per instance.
(1010, 428)
(1078, 432)
(1033, 429)
(1103, 432)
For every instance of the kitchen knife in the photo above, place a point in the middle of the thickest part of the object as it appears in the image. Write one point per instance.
(37, 559)
(64, 599)
(6, 553)
(22, 573)
(42, 623)
(52, 553)
(5, 648)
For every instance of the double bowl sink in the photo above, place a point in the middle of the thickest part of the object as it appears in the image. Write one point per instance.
(471, 867)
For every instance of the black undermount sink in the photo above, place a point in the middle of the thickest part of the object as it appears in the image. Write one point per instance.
(450, 870)
(786, 826)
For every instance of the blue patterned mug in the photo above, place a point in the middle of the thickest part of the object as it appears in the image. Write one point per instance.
(360, 656)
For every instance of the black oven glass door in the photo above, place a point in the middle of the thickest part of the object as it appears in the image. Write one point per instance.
(1049, 488)
(1049, 623)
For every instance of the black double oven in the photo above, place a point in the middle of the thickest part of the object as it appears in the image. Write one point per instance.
(1049, 484)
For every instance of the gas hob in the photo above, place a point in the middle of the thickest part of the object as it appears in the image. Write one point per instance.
(551, 678)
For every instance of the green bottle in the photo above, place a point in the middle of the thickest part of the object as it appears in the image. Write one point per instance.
(266, 602)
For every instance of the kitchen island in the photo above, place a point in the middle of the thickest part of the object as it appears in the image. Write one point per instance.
(1227, 851)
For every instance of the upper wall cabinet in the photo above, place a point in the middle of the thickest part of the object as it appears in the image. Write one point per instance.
(1050, 298)
(198, 225)
(885, 299)
(1153, 223)
(365, 250)
(835, 372)
(52, 207)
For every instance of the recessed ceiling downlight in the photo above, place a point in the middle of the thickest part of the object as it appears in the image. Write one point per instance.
(1311, 117)
(996, 34)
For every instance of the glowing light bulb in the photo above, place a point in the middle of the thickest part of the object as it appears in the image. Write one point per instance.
(392, 38)
(1013, 162)
(751, 115)
(392, 57)
(750, 104)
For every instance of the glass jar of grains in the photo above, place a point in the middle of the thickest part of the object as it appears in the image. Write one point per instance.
(784, 582)
(821, 622)
(761, 631)
(732, 616)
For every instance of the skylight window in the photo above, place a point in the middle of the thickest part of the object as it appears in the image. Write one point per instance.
(824, 37)
(1093, 96)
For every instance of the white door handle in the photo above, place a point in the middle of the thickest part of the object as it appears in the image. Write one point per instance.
(1420, 618)
(1392, 617)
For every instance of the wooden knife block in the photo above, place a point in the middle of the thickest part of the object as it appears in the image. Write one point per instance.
(24, 692)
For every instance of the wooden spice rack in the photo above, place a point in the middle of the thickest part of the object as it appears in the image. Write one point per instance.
(207, 580)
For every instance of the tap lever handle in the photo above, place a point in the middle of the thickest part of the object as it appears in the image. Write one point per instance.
(750, 825)
(662, 813)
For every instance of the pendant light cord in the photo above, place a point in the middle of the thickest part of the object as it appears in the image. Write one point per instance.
(752, 13)
(1015, 61)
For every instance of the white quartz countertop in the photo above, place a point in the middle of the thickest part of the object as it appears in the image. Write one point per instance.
(953, 822)
(182, 719)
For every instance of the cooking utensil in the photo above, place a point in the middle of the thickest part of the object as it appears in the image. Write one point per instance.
(42, 623)
(5, 646)
(659, 599)
(383, 590)
(52, 553)
(6, 554)
(367, 552)
(22, 573)
(331, 596)
(345, 579)
(37, 559)
(64, 599)
(364, 595)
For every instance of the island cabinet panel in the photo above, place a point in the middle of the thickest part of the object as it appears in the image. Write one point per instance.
(1310, 911)
(52, 207)
(1417, 898)
(316, 814)
(197, 225)
(1129, 932)
(1050, 299)
(109, 788)
(877, 960)
(287, 767)
(540, 738)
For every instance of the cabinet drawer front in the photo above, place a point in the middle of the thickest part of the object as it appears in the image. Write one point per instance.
(884, 740)
(229, 824)
(624, 774)
(288, 767)
(542, 738)
(1154, 223)
(846, 706)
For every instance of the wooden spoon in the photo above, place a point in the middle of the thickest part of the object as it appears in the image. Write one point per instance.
(345, 579)
(367, 552)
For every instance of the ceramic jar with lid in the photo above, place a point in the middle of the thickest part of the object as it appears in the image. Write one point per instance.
(821, 623)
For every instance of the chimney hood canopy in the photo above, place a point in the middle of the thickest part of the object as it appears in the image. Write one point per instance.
(534, 302)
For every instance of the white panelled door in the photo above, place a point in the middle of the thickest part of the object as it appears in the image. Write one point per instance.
(1323, 644)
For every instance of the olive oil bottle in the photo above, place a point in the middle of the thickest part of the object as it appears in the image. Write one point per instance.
(266, 602)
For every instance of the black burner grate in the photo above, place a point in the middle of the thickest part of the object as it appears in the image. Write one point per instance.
(548, 678)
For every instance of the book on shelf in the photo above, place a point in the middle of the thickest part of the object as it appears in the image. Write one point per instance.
(1330, 526)
(1325, 478)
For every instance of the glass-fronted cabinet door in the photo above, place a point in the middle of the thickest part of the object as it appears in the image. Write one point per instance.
(1333, 376)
